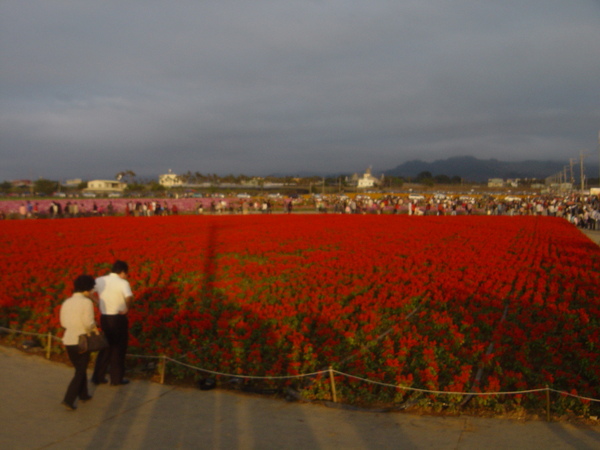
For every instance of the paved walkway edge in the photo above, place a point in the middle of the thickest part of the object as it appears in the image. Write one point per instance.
(149, 415)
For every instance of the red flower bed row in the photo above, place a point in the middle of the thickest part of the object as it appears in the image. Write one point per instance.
(440, 303)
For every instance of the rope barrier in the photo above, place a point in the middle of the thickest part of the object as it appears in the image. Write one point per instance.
(574, 395)
(249, 377)
(230, 375)
(330, 371)
(10, 330)
(406, 388)
(428, 391)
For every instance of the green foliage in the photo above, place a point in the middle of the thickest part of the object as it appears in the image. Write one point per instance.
(44, 186)
(5, 186)
(157, 187)
(425, 178)
(394, 181)
(135, 187)
(126, 175)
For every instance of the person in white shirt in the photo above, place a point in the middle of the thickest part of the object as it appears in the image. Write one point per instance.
(77, 317)
(114, 300)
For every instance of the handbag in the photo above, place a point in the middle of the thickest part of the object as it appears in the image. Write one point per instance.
(92, 342)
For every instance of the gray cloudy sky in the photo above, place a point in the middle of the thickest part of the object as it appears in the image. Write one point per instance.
(90, 88)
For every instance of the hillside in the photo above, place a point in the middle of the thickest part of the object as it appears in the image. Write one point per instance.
(480, 170)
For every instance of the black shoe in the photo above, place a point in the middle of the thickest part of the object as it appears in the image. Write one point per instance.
(86, 398)
(69, 406)
(123, 381)
(96, 382)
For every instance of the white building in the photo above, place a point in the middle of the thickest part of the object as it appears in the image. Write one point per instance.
(368, 180)
(170, 179)
(73, 183)
(101, 186)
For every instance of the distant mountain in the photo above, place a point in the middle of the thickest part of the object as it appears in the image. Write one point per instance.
(480, 170)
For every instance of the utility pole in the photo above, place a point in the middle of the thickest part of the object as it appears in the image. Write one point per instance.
(581, 155)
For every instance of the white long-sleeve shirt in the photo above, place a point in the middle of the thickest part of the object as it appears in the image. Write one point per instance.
(76, 317)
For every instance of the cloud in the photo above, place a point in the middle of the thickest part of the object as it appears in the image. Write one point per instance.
(88, 89)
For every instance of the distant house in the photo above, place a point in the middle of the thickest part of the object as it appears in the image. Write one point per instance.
(21, 183)
(256, 181)
(72, 183)
(368, 180)
(562, 187)
(495, 183)
(102, 186)
(170, 180)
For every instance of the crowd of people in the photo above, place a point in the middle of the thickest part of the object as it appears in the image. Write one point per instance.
(150, 208)
(581, 210)
(57, 209)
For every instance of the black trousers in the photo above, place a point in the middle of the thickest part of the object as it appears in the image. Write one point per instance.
(78, 386)
(112, 359)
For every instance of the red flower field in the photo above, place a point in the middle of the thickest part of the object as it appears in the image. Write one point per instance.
(440, 303)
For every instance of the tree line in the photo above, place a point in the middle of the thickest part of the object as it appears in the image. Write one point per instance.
(139, 184)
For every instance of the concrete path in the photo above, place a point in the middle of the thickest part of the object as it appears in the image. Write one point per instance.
(145, 415)
(594, 235)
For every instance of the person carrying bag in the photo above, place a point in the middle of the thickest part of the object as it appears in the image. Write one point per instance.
(92, 342)
(77, 318)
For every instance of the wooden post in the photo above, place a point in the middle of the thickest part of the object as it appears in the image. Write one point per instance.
(547, 403)
(332, 381)
(49, 345)
(162, 368)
